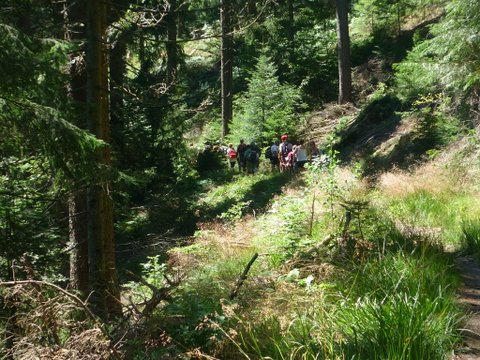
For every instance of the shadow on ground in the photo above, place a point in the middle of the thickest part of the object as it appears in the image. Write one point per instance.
(169, 218)
(256, 199)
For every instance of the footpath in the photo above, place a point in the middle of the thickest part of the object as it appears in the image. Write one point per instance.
(469, 295)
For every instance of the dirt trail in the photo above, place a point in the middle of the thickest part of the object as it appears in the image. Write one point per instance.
(469, 294)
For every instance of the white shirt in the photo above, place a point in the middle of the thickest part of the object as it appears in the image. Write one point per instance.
(282, 148)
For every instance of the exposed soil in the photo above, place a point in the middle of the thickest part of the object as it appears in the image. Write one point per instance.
(469, 295)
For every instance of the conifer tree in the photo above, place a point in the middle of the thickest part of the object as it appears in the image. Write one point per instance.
(448, 59)
(77, 203)
(226, 65)
(102, 269)
(171, 45)
(267, 109)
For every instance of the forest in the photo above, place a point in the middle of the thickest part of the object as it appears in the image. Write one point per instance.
(129, 231)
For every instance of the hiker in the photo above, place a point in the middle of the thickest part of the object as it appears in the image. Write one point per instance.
(274, 149)
(232, 156)
(251, 158)
(289, 159)
(283, 152)
(247, 159)
(300, 156)
(273, 155)
(258, 151)
(223, 149)
(242, 165)
(254, 157)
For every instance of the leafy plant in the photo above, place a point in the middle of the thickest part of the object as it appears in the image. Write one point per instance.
(322, 173)
(236, 211)
(153, 271)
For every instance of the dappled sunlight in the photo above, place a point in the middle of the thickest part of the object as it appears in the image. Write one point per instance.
(281, 180)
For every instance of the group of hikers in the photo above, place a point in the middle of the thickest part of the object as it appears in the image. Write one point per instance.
(283, 156)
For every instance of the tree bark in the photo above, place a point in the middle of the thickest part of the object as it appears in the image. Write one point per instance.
(118, 54)
(171, 46)
(77, 207)
(344, 65)
(226, 66)
(77, 212)
(101, 253)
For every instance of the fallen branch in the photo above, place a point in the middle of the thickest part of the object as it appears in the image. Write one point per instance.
(242, 277)
(158, 294)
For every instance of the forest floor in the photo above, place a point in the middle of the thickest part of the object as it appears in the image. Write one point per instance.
(469, 295)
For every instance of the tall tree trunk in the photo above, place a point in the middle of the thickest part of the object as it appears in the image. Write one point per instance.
(226, 65)
(102, 270)
(77, 212)
(399, 19)
(118, 54)
(171, 46)
(344, 66)
(77, 209)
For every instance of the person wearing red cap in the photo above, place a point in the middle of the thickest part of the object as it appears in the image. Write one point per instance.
(283, 152)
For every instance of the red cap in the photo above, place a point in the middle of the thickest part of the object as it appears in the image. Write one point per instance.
(284, 137)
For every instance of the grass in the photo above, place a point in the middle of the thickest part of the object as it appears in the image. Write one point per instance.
(402, 327)
(392, 297)
(254, 192)
(471, 236)
(378, 312)
(430, 200)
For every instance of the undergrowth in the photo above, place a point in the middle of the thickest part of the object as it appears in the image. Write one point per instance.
(323, 287)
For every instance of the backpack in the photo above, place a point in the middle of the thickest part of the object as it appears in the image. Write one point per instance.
(252, 156)
(232, 154)
(268, 153)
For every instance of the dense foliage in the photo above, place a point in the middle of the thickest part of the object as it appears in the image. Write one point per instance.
(416, 89)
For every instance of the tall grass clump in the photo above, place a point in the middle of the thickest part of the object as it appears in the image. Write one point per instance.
(423, 208)
(308, 336)
(401, 306)
(430, 200)
(399, 327)
(471, 236)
